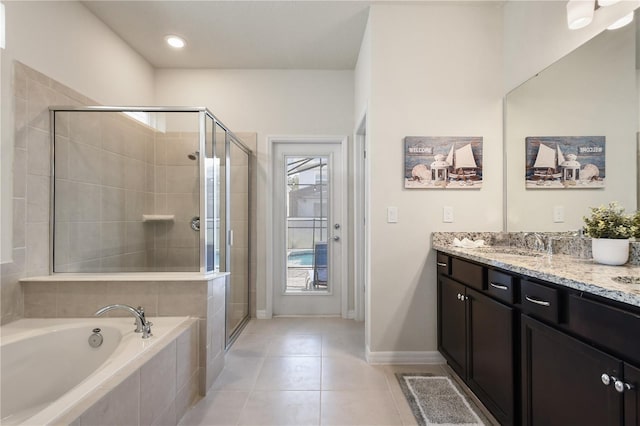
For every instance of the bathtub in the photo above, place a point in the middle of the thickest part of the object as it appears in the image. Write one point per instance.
(47, 365)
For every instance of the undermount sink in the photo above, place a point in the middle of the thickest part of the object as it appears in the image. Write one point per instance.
(626, 280)
(510, 251)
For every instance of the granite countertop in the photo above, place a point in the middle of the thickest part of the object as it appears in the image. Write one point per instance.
(569, 271)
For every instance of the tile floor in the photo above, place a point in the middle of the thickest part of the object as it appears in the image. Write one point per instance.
(304, 371)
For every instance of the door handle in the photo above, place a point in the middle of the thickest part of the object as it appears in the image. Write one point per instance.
(336, 238)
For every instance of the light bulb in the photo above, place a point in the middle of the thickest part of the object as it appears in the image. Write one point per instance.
(175, 41)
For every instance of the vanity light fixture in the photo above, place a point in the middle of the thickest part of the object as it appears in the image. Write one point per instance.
(579, 13)
(625, 20)
(175, 41)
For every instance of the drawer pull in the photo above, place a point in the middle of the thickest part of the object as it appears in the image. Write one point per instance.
(537, 302)
(444, 265)
(499, 286)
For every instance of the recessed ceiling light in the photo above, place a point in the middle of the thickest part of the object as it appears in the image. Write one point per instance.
(175, 41)
(625, 20)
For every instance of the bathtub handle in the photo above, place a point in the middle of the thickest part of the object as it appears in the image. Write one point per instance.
(142, 325)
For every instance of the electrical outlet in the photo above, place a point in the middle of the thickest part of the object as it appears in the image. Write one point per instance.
(392, 215)
(558, 214)
(447, 214)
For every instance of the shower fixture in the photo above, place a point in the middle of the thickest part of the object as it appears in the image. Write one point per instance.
(193, 155)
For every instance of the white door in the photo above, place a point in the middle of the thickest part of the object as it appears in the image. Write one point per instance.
(309, 186)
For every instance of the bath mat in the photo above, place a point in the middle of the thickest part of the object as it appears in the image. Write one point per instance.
(436, 400)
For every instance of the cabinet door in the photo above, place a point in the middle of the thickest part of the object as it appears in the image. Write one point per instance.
(491, 355)
(632, 396)
(561, 380)
(452, 324)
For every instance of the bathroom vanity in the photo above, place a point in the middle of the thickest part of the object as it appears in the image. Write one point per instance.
(542, 339)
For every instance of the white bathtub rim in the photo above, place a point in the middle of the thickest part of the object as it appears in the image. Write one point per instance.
(72, 404)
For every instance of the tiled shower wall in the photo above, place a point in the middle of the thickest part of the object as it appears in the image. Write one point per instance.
(104, 183)
(110, 171)
(176, 245)
(33, 93)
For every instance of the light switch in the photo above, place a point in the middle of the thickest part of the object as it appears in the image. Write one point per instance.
(447, 214)
(558, 214)
(392, 214)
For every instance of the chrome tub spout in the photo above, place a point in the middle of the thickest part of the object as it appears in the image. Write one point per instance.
(142, 325)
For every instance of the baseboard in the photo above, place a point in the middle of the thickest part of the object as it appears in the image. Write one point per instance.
(351, 314)
(262, 314)
(404, 357)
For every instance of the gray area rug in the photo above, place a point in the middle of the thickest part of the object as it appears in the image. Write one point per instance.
(436, 400)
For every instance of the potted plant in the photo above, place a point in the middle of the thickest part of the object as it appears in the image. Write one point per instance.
(610, 229)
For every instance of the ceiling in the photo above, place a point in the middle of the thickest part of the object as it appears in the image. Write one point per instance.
(240, 34)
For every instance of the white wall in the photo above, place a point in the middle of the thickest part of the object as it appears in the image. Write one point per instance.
(362, 75)
(66, 42)
(590, 92)
(436, 70)
(269, 102)
(536, 35)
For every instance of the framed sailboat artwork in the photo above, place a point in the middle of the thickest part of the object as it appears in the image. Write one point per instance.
(439, 162)
(562, 162)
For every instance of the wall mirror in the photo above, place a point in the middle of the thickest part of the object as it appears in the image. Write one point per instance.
(591, 92)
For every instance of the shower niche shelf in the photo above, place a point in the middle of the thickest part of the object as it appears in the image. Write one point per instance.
(158, 218)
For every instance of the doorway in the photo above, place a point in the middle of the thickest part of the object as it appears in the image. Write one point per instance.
(309, 226)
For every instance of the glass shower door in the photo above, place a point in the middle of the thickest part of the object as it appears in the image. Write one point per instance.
(238, 289)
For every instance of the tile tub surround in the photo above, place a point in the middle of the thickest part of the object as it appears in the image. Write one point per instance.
(161, 294)
(157, 388)
(569, 271)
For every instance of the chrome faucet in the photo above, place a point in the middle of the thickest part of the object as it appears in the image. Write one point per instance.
(142, 325)
(539, 243)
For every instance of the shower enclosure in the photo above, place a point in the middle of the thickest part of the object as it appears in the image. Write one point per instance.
(149, 189)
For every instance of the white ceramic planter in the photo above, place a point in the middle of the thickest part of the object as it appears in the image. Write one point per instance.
(610, 251)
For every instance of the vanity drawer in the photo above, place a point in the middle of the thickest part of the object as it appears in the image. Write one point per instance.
(539, 301)
(443, 264)
(606, 326)
(501, 286)
(467, 273)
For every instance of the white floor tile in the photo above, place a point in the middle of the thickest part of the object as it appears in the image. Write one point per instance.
(239, 373)
(296, 345)
(217, 409)
(346, 373)
(282, 408)
(289, 373)
(346, 408)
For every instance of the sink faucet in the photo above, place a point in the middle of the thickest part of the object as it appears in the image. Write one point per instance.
(539, 243)
(142, 325)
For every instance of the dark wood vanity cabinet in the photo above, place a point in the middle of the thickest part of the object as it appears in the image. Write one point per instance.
(475, 335)
(490, 363)
(536, 353)
(452, 324)
(562, 380)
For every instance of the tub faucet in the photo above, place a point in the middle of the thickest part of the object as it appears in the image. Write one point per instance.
(142, 325)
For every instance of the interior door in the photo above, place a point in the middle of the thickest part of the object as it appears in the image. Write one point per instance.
(309, 227)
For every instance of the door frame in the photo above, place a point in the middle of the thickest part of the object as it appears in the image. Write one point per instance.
(271, 141)
(360, 232)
